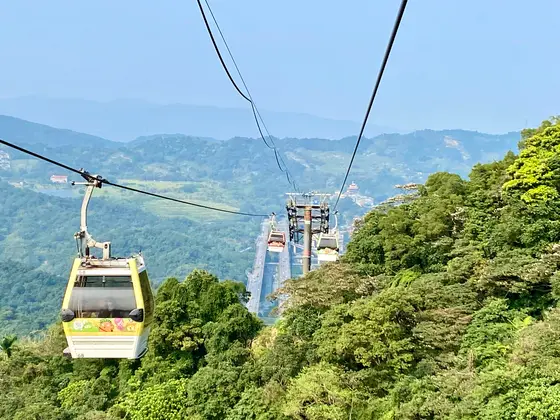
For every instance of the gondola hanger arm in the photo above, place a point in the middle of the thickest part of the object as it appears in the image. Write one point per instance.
(84, 238)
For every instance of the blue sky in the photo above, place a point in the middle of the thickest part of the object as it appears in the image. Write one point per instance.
(483, 65)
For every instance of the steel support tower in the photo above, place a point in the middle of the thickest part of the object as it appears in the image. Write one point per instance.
(308, 214)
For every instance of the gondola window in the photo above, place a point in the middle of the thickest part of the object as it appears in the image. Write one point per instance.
(102, 297)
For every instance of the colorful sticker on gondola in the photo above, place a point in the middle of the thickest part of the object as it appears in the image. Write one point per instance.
(104, 325)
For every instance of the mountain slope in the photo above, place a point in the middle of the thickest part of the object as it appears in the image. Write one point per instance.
(37, 231)
(17, 130)
(29, 297)
(447, 307)
(246, 169)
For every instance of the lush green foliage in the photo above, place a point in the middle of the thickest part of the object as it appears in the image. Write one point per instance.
(201, 338)
(240, 174)
(37, 248)
(29, 298)
(442, 308)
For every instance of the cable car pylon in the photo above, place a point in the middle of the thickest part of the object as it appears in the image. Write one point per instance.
(312, 210)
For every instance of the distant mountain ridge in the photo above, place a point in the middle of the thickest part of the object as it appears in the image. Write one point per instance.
(16, 130)
(470, 144)
(239, 173)
(452, 147)
(125, 120)
(382, 161)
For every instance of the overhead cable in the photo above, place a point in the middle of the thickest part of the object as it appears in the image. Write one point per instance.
(124, 187)
(374, 93)
(257, 115)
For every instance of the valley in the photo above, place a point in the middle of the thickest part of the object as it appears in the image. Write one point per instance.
(238, 174)
(444, 307)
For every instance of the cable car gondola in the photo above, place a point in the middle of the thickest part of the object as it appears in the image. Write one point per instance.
(276, 241)
(327, 247)
(327, 244)
(108, 306)
(276, 238)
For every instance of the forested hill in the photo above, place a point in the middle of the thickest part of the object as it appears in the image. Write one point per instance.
(442, 308)
(37, 247)
(248, 167)
(38, 218)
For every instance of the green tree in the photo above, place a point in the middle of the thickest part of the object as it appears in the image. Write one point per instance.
(536, 173)
(319, 393)
(7, 343)
(165, 401)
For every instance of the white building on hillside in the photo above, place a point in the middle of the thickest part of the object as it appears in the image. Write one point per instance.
(59, 179)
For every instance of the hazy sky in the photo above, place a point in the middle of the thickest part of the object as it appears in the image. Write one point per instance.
(490, 65)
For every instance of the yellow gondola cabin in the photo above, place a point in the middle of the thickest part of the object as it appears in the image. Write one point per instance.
(108, 306)
(108, 309)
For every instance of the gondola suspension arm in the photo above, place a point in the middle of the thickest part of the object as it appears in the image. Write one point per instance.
(273, 221)
(84, 238)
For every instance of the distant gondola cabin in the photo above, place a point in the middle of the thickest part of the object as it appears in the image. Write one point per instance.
(328, 247)
(276, 241)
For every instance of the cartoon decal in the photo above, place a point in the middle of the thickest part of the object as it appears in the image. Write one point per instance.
(103, 325)
(106, 325)
(119, 322)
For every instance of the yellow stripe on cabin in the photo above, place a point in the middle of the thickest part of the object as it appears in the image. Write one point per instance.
(69, 287)
(104, 334)
(137, 291)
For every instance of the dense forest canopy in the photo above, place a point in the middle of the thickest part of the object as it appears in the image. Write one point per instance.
(37, 249)
(442, 308)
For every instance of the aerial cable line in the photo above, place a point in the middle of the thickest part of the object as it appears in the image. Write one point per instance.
(218, 52)
(247, 97)
(38, 156)
(189, 203)
(374, 93)
(251, 100)
(256, 112)
(81, 172)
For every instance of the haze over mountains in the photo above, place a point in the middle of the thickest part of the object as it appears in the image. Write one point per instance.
(125, 120)
(18, 131)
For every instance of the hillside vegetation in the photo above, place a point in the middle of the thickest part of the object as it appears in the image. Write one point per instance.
(36, 229)
(246, 170)
(37, 249)
(442, 308)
